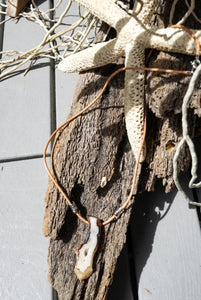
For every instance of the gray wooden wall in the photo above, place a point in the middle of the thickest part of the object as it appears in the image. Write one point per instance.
(162, 259)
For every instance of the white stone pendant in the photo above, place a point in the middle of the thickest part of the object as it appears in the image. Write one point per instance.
(85, 253)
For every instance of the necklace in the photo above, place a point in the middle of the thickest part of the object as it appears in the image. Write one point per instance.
(85, 253)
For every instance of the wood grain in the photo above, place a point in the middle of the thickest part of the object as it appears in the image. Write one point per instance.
(94, 146)
(164, 96)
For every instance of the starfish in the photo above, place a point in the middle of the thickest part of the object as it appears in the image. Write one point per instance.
(134, 36)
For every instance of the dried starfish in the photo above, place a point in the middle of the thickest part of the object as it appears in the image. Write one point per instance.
(134, 35)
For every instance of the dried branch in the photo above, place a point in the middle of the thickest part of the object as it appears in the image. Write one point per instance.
(186, 139)
(193, 13)
(74, 37)
(191, 7)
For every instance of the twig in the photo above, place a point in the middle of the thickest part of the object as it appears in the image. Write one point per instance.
(41, 45)
(187, 140)
(75, 40)
(43, 23)
(187, 14)
(193, 13)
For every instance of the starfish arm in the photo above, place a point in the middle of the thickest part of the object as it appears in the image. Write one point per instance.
(134, 99)
(99, 55)
(105, 10)
(145, 10)
(174, 40)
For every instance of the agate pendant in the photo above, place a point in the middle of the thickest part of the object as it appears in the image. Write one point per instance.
(85, 253)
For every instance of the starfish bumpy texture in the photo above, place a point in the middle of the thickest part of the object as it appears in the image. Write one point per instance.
(134, 35)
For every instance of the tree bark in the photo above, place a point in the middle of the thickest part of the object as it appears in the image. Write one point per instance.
(92, 147)
(164, 96)
(95, 146)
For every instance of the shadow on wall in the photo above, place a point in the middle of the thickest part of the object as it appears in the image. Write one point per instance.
(149, 209)
(147, 213)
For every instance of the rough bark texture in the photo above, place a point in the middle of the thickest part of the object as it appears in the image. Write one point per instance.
(92, 147)
(164, 95)
(96, 145)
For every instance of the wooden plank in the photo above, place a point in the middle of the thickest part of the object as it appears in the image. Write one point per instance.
(166, 239)
(15, 7)
(23, 249)
(65, 82)
(25, 127)
(25, 108)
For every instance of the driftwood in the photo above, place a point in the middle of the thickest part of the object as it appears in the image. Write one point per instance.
(164, 99)
(96, 146)
(92, 147)
(164, 95)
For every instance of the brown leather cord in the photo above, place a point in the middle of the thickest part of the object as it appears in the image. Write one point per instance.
(53, 177)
